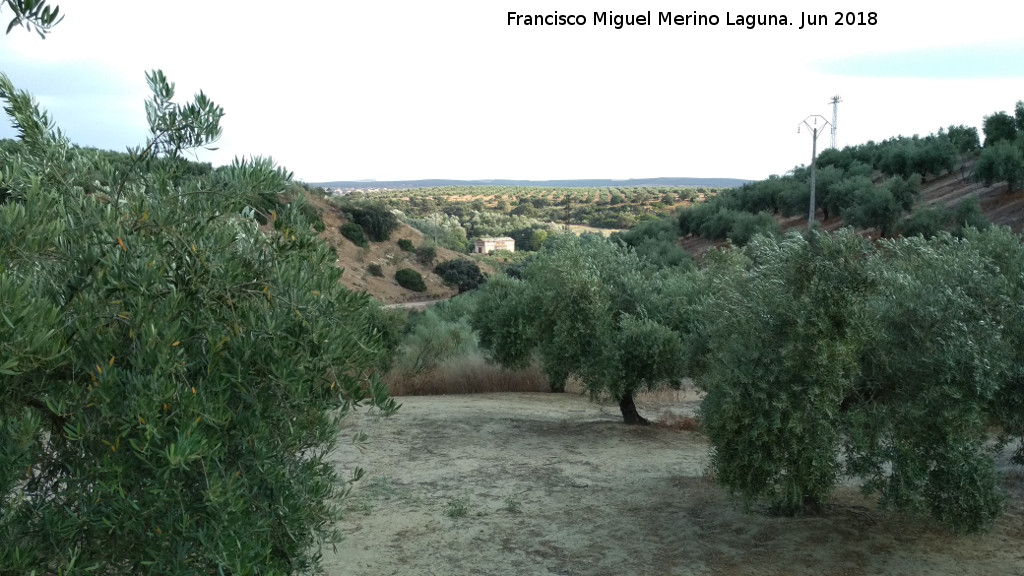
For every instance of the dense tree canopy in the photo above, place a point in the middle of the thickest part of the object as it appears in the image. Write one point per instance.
(584, 307)
(376, 219)
(1002, 162)
(657, 241)
(832, 356)
(462, 273)
(171, 377)
(998, 127)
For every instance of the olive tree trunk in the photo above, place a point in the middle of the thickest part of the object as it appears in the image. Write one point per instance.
(629, 413)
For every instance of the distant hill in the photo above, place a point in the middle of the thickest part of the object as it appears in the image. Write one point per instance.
(587, 183)
(1000, 207)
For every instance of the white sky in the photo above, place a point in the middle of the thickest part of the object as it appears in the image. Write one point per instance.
(396, 89)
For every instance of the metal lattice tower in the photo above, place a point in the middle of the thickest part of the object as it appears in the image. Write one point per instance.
(835, 117)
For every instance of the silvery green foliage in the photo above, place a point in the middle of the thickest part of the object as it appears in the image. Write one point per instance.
(834, 356)
(171, 377)
(176, 127)
(33, 15)
(782, 346)
(584, 307)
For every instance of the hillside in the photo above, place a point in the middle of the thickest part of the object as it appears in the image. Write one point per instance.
(998, 206)
(586, 183)
(354, 260)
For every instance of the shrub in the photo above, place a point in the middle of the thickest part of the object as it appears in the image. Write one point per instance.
(443, 230)
(354, 232)
(1001, 162)
(926, 221)
(929, 221)
(465, 274)
(537, 239)
(745, 225)
(718, 224)
(310, 212)
(431, 340)
(657, 242)
(375, 269)
(905, 190)
(426, 255)
(375, 218)
(410, 279)
(873, 208)
(406, 245)
(968, 214)
(503, 255)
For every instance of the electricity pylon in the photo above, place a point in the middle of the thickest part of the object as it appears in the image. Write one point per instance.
(835, 117)
(815, 130)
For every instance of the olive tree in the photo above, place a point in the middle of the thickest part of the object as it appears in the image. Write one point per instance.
(780, 352)
(834, 356)
(583, 307)
(1002, 162)
(171, 376)
(999, 126)
(938, 357)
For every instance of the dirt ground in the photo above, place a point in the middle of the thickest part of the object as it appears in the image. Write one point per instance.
(546, 484)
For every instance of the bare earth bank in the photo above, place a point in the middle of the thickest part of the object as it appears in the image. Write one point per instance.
(545, 484)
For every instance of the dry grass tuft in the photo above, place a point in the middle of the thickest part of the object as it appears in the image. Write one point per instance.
(467, 375)
(679, 422)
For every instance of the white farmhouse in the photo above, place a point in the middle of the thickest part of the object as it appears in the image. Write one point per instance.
(488, 245)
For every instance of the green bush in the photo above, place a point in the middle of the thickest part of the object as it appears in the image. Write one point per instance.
(929, 221)
(745, 225)
(410, 279)
(432, 339)
(375, 269)
(426, 255)
(354, 232)
(375, 218)
(309, 212)
(926, 221)
(967, 214)
(406, 245)
(873, 208)
(465, 274)
(443, 230)
(171, 378)
(657, 242)
(905, 190)
(1002, 161)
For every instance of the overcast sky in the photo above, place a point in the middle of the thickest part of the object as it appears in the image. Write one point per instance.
(392, 89)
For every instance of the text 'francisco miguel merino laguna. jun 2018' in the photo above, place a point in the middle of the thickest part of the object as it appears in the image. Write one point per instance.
(649, 18)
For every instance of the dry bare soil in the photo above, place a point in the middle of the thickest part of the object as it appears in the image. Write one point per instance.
(355, 260)
(545, 484)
